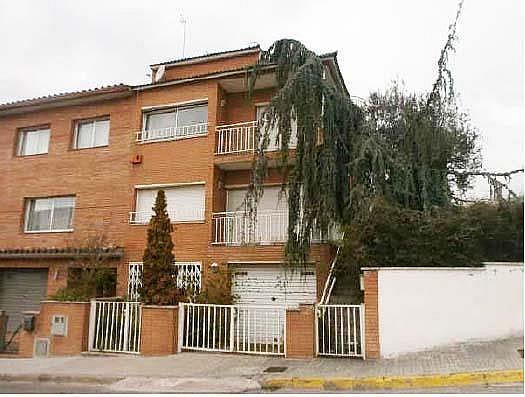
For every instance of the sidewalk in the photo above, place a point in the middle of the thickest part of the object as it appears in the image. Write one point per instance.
(237, 373)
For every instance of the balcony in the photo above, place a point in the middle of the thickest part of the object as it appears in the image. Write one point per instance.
(236, 138)
(233, 228)
(172, 133)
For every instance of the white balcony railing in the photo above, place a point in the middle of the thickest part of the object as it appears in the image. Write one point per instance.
(234, 227)
(236, 138)
(240, 138)
(269, 227)
(143, 217)
(171, 133)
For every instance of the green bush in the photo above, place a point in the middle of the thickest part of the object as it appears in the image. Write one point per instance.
(458, 236)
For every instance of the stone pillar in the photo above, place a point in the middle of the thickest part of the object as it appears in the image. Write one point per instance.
(159, 331)
(300, 332)
(372, 348)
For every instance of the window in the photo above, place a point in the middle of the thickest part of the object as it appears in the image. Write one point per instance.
(33, 141)
(185, 203)
(91, 133)
(175, 123)
(50, 214)
(274, 143)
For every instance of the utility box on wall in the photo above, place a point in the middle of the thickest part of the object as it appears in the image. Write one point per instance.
(59, 325)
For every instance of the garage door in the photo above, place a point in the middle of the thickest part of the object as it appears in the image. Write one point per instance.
(273, 285)
(21, 290)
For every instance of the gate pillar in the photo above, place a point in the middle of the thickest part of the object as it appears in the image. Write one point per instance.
(300, 332)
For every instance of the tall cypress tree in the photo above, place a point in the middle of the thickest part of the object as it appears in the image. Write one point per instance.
(159, 285)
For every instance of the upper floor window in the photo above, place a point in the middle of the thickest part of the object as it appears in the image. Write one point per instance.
(50, 214)
(173, 123)
(91, 133)
(185, 203)
(274, 141)
(33, 141)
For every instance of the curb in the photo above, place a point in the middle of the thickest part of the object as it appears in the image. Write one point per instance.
(395, 382)
(101, 380)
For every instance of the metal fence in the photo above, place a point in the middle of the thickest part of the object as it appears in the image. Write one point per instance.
(232, 328)
(114, 326)
(340, 330)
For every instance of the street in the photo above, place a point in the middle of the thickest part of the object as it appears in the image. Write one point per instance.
(51, 387)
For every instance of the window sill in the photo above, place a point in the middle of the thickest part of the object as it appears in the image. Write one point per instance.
(49, 231)
(76, 149)
(171, 139)
(21, 156)
(199, 221)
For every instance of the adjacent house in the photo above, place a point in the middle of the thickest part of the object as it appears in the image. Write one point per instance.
(87, 163)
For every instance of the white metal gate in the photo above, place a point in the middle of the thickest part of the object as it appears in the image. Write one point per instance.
(114, 326)
(340, 330)
(233, 328)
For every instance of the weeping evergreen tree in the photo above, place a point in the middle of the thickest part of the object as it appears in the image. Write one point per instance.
(159, 285)
(417, 151)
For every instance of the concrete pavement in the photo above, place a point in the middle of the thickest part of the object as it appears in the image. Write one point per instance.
(233, 373)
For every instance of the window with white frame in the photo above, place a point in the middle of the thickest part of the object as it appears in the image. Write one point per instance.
(91, 133)
(49, 214)
(185, 203)
(188, 276)
(177, 122)
(33, 141)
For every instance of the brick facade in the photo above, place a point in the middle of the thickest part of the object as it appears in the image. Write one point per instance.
(372, 348)
(300, 332)
(159, 331)
(103, 179)
(73, 343)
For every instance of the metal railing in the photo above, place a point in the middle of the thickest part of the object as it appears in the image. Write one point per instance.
(340, 330)
(143, 217)
(232, 328)
(171, 133)
(114, 326)
(235, 227)
(236, 138)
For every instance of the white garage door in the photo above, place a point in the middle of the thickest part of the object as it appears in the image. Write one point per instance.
(273, 285)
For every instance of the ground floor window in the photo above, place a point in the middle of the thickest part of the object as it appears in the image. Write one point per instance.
(188, 275)
(93, 282)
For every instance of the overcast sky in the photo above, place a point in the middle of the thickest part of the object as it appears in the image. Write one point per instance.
(56, 46)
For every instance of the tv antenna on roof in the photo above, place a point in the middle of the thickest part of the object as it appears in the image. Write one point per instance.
(183, 21)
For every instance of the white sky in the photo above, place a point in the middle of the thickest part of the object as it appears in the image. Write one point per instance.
(55, 46)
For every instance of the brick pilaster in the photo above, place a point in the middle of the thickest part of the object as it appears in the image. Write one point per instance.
(372, 348)
(300, 332)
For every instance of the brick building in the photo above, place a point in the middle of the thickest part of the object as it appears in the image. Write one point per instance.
(89, 163)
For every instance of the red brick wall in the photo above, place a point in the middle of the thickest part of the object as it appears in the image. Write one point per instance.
(76, 339)
(300, 332)
(372, 348)
(196, 69)
(103, 179)
(159, 331)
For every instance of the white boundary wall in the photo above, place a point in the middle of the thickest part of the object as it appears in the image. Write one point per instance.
(420, 308)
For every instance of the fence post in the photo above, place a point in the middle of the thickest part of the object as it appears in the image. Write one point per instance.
(316, 313)
(181, 320)
(232, 327)
(126, 325)
(362, 329)
(92, 320)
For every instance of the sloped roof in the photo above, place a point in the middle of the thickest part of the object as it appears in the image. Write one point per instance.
(110, 89)
(67, 252)
(206, 57)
